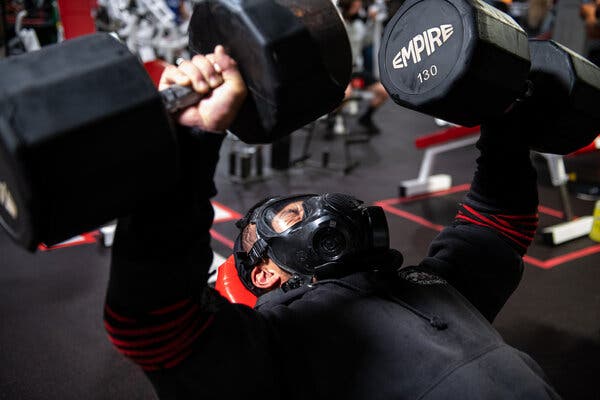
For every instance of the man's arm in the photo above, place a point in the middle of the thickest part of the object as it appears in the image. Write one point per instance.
(157, 303)
(159, 268)
(480, 254)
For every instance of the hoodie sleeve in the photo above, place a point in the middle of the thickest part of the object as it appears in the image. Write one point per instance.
(480, 254)
(156, 298)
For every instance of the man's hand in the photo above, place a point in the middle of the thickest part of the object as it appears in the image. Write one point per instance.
(588, 11)
(588, 14)
(217, 77)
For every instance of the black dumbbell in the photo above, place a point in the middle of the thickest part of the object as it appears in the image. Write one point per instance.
(465, 61)
(85, 136)
(562, 114)
(459, 60)
(294, 56)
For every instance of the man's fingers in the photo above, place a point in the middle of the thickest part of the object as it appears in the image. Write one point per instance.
(213, 60)
(172, 76)
(195, 75)
(208, 71)
(227, 64)
(222, 59)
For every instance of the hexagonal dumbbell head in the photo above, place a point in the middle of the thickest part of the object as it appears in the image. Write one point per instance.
(294, 56)
(84, 138)
(563, 114)
(459, 60)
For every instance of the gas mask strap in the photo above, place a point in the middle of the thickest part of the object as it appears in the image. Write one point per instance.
(258, 251)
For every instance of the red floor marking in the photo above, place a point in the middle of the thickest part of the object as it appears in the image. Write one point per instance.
(86, 238)
(387, 205)
(552, 212)
(409, 216)
(234, 215)
(220, 238)
(553, 262)
(454, 189)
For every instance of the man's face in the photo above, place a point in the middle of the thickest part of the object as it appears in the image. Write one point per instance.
(288, 216)
(267, 275)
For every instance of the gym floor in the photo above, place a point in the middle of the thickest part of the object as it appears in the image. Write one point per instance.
(52, 342)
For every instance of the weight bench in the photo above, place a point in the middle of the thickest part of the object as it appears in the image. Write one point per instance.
(442, 141)
(229, 285)
(573, 227)
(457, 137)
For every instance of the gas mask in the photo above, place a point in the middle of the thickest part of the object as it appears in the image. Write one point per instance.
(322, 236)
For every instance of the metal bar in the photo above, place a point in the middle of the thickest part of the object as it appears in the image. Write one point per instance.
(566, 201)
(431, 152)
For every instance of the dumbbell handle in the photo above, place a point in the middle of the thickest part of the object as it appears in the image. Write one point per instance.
(178, 97)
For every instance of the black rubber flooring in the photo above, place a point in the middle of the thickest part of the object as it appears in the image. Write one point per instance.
(53, 346)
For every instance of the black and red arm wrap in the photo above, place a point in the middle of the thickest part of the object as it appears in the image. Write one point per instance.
(480, 254)
(155, 304)
(518, 229)
(162, 338)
